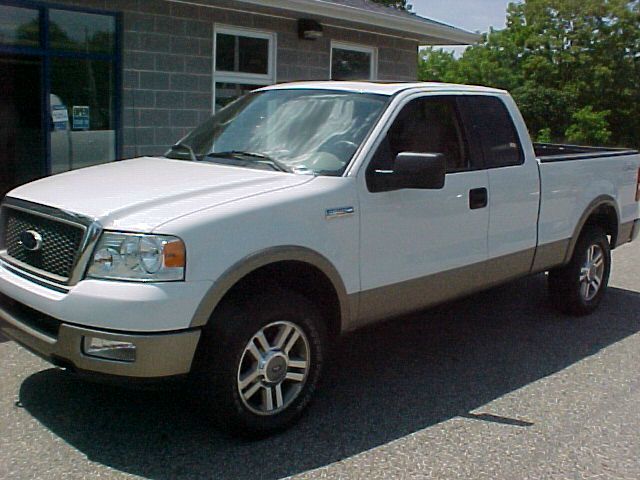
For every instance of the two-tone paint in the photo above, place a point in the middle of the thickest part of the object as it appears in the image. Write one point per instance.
(384, 253)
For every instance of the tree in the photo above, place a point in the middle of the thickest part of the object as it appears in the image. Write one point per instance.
(589, 127)
(558, 57)
(399, 4)
(437, 65)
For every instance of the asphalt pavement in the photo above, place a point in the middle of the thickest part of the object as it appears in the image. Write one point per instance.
(496, 386)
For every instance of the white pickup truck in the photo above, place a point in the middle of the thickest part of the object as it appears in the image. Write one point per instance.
(296, 213)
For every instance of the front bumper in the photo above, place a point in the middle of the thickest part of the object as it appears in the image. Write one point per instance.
(158, 355)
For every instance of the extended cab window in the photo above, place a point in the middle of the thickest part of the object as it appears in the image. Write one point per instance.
(491, 128)
(425, 125)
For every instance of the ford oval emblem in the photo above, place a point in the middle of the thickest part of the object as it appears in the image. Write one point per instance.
(31, 240)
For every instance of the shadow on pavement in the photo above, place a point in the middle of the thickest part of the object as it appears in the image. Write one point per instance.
(385, 382)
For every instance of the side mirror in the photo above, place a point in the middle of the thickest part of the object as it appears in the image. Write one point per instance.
(425, 171)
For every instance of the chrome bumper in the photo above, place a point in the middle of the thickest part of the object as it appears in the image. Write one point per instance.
(157, 355)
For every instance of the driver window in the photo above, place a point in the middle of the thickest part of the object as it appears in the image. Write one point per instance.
(425, 125)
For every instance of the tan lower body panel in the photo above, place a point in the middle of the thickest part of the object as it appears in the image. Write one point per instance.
(411, 295)
(400, 298)
(550, 255)
(625, 233)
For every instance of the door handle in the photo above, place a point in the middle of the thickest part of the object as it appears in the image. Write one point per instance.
(478, 198)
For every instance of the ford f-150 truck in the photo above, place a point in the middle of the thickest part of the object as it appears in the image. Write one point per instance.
(296, 213)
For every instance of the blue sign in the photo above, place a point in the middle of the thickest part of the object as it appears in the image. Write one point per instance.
(80, 117)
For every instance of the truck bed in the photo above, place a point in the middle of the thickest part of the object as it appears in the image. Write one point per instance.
(569, 186)
(554, 152)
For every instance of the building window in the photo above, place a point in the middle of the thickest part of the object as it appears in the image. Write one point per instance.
(244, 60)
(353, 62)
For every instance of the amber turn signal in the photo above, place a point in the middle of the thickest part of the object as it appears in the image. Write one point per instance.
(174, 254)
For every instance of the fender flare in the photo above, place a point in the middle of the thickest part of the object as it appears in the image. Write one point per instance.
(260, 259)
(602, 200)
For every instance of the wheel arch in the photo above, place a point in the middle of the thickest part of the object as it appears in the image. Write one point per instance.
(602, 212)
(283, 261)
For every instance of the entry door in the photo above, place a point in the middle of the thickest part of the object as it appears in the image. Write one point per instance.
(415, 243)
(22, 149)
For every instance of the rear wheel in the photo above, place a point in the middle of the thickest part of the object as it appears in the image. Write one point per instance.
(578, 287)
(260, 361)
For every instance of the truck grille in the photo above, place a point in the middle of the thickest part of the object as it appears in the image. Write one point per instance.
(60, 242)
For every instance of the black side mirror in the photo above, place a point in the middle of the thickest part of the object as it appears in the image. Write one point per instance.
(425, 171)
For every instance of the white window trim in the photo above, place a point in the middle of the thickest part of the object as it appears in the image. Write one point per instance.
(373, 74)
(239, 77)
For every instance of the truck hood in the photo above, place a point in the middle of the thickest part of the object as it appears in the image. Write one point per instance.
(143, 193)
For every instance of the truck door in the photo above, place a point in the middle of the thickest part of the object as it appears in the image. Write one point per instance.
(513, 183)
(419, 247)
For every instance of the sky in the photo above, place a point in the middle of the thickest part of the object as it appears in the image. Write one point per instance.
(468, 14)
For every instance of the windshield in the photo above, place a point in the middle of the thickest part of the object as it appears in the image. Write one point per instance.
(297, 130)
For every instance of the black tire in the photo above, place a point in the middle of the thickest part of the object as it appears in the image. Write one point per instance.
(566, 288)
(222, 351)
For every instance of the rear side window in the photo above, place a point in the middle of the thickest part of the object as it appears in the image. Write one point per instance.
(492, 129)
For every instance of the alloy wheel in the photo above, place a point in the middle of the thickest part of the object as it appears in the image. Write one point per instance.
(592, 272)
(273, 368)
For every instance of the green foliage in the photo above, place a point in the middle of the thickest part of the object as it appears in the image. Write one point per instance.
(544, 136)
(589, 127)
(399, 4)
(558, 57)
(437, 65)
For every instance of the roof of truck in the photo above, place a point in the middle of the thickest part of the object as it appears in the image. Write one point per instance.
(383, 88)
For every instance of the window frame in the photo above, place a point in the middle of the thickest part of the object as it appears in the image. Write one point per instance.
(257, 79)
(355, 47)
(473, 163)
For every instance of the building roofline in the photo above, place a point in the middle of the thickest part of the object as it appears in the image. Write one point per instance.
(426, 31)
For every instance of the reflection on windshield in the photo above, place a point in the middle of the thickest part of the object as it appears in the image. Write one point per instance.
(314, 131)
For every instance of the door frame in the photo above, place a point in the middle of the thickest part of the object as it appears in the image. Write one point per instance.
(46, 53)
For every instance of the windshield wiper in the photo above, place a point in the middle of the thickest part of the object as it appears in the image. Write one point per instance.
(183, 146)
(254, 157)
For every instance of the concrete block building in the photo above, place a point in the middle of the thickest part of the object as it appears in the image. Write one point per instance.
(91, 81)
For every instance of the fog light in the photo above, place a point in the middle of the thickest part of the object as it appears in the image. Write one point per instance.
(109, 349)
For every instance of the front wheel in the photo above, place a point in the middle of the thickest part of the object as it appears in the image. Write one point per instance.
(260, 362)
(578, 288)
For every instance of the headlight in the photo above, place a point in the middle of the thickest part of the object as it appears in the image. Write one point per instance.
(130, 256)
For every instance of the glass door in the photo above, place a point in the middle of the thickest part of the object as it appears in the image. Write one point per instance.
(59, 81)
(82, 89)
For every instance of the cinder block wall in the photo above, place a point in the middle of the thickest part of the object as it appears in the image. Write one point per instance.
(168, 60)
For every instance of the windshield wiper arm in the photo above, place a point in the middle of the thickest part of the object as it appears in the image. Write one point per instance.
(256, 157)
(186, 147)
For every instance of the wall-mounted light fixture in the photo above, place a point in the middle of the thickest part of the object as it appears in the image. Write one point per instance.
(309, 29)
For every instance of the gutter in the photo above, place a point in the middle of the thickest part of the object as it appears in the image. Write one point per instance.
(430, 33)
